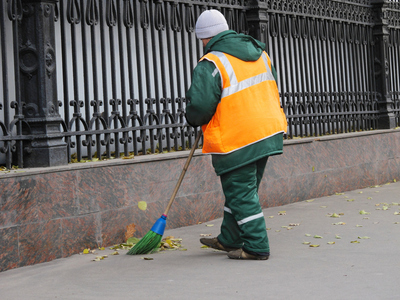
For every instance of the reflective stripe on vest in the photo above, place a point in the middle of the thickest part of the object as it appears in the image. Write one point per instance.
(249, 110)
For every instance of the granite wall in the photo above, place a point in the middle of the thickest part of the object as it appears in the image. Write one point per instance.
(55, 212)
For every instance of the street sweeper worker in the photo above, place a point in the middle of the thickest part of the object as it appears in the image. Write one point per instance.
(234, 98)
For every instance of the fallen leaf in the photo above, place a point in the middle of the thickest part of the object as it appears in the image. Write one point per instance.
(363, 212)
(339, 223)
(102, 248)
(335, 215)
(316, 245)
(209, 225)
(85, 251)
(355, 242)
(338, 237)
(268, 228)
(350, 200)
(338, 194)
(385, 208)
(182, 249)
(294, 224)
(130, 231)
(307, 234)
(364, 237)
(147, 258)
(204, 246)
(306, 243)
(282, 212)
(142, 205)
(132, 240)
(330, 243)
(397, 213)
(205, 234)
(318, 237)
(359, 226)
(270, 217)
(311, 200)
(115, 253)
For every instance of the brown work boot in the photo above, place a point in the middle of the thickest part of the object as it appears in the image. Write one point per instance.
(241, 254)
(215, 244)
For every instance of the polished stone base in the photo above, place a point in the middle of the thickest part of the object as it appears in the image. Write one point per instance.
(49, 213)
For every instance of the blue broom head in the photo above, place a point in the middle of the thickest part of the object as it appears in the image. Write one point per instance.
(159, 226)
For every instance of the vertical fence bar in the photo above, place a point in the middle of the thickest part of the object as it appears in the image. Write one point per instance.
(6, 148)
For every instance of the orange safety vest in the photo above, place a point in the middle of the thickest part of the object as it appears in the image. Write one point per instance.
(249, 110)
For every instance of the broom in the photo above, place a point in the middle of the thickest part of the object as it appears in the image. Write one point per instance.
(152, 239)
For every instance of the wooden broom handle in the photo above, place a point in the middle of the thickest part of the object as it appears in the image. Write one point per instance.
(178, 184)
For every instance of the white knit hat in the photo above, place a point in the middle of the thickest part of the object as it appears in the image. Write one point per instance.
(210, 23)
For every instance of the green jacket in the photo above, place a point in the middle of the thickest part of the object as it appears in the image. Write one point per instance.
(205, 93)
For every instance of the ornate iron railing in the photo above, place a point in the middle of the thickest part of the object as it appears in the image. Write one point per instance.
(108, 78)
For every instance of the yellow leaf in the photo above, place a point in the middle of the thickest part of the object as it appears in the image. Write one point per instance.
(316, 245)
(330, 243)
(338, 237)
(355, 242)
(115, 253)
(142, 205)
(317, 237)
(335, 215)
(350, 200)
(364, 237)
(306, 243)
(363, 212)
(102, 248)
(86, 251)
(311, 200)
(204, 246)
(209, 225)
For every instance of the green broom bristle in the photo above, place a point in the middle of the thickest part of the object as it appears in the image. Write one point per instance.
(147, 244)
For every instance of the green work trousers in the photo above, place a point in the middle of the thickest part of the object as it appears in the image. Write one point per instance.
(243, 225)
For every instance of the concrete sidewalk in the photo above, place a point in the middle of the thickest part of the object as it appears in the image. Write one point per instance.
(368, 269)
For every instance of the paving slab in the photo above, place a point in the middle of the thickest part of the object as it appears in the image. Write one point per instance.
(362, 263)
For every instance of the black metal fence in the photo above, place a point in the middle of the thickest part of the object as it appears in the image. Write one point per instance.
(95, 79)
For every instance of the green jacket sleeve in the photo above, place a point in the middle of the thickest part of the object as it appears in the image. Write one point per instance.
(204, 94)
